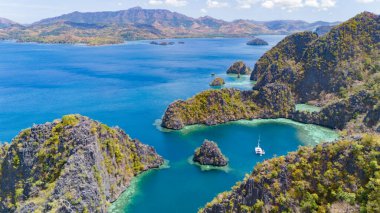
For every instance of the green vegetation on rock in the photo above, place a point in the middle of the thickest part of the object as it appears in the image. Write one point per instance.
(339, 72)
(73, 164)
(209, 154)
(344, 174)
(217, 82)
(219, 106)
(239, 68)
(338, 62)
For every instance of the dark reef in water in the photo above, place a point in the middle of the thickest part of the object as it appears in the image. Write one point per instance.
(162, 43)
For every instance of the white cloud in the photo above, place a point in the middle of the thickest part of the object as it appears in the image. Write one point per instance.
(174, 3)
(267, 4)
(155, 2)
(283, 4)
(327, 4)
(203, 10)
(312, 3)
(365, 1)
(246, 4)
(289, 5)
(216, 4)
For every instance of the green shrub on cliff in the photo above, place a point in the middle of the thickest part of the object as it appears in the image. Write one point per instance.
(219, 106)
(331, 63)
(75, 160)
(311, 180)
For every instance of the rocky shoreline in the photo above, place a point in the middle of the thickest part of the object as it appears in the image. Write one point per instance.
(285, 76)
(327, 177)
(336, 115)
(73, 164)
(213, 107)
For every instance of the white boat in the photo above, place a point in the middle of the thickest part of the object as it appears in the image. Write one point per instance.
(259, 150)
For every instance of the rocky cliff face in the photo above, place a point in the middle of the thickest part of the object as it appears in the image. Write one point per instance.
(341, 175)
(219, 106)
(338, 114)
(314, 65)
(71, 165)
(275, 65)
(209, 154)
(339, 71)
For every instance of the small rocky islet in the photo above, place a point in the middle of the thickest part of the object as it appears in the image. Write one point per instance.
(209, 154)
(217, 82)
(70, 165)
(239, 68)
(257, 42)
(162, 43)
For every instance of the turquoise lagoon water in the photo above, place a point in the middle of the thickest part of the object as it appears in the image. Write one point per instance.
(308, 108)
(130, 85)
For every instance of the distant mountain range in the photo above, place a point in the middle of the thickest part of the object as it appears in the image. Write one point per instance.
(5, 23)
(96, 28)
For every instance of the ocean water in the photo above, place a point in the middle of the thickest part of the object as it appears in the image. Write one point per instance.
(130, 86)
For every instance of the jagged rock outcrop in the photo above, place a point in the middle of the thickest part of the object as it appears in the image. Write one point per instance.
(219, 106)
(322, 30)
(274, 65)
(209, 154)
(239, 68)
(217, 82)
(71, 165)
(313, 65)
(257, 42)
(343, 80)
(320, 179)
(338, 114)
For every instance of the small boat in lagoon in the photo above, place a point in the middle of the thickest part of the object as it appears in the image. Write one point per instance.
(259, 150)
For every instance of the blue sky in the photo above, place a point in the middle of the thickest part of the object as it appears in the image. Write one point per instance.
(28, 11)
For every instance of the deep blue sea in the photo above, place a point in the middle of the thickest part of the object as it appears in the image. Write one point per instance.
(130, 86)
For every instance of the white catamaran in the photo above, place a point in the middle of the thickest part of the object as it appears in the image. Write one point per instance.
(259, 150)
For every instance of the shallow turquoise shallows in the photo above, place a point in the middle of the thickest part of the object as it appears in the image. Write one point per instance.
(130, 85)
